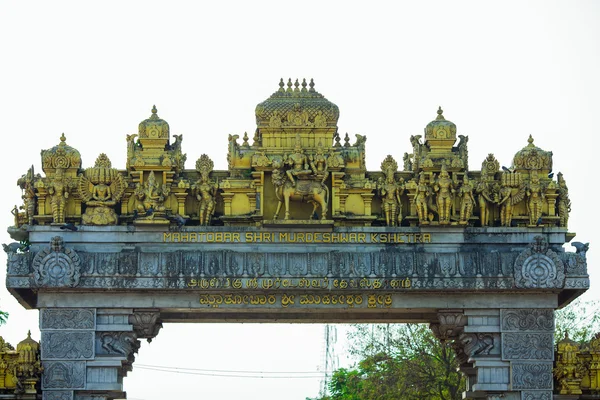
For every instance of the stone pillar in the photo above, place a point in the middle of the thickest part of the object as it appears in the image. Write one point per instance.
(86, 352)
(505, 353)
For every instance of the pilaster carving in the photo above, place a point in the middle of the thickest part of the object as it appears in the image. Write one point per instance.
(146, 324)
(527, 346)
(58, 395)
(527, 320)
(63, 375)
(67, 319)
(70, 345)
(536, 395)
(56, 266)
(531, 375)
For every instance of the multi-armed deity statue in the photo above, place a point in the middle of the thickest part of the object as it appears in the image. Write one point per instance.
(296, 161)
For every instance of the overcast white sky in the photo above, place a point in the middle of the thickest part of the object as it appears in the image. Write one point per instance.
(93, 70)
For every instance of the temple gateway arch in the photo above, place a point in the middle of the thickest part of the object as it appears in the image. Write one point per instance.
(296, 230)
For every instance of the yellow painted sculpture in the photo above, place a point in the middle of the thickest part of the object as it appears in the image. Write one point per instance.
(296, 160)
(206, 190)
(390, 191)
(566, 370)
(444, 190)
(100, 188)
(467, 201)
(20, 369)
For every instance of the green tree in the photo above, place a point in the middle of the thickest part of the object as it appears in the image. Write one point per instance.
(581, 319)
(398, 362)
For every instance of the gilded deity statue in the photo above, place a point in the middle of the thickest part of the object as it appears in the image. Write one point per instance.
(100, 188)
(421, 197)
(445, 192)
(390, 191)
(297, 116)
(59, 193)
(467, 201)
(535, 193)
(320, 120)
(318, 164)
(150, 197)
(26, 182)
(485, 199)
(298, 163)
(506, 204)
(564, 204)
(206, 190)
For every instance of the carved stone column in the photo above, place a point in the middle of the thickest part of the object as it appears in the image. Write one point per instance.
(87, 352)
(505, 353)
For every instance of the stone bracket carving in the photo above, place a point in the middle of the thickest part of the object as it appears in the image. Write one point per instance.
(146, 324)
(450, 325)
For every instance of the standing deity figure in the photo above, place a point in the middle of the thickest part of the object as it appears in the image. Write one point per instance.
(467, 200)
(423, 191)
(318, 164)
(505, 203)
(298, 163)
(415, 140)
(29, 196)
(444, 189)
(59, 193)
(206, 190)
(564, 204)
(390, 191)
(535, 192)
(485, 199)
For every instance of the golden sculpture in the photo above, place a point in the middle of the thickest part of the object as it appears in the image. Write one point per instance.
(566, 370)
(535, 193)
(443, 188)
(298, 163)
(310, 191)
(564, 204)
(390, 191)
(151, 198)
(206, 190)
(20, 369)
(467, 200)
(296, 156)
(59, 192)
(101, 187)
(421, 200)
(26, 183)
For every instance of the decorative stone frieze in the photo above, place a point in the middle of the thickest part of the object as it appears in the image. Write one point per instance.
(63, 375)
(67, 319)
(539, 267)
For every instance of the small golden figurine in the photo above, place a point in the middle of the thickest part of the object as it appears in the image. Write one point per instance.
(390, 191)
(59, 192)
(467, 200)
(206, 190)
(423, 192)
(536, 199)
(443, 187)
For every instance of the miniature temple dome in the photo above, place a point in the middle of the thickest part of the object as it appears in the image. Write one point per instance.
(61, 156)
(440, 133)
(532, 157)
(154, 127)
(297, 107)
(28, 348)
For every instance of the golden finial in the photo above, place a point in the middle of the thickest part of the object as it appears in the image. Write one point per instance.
(312, 85)
(63, 139)
(29, 334)
(296, 84)
(530, 141)
(281, 85)
(154, 110)
(440, 113)
(303, 84)
(289, 85)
